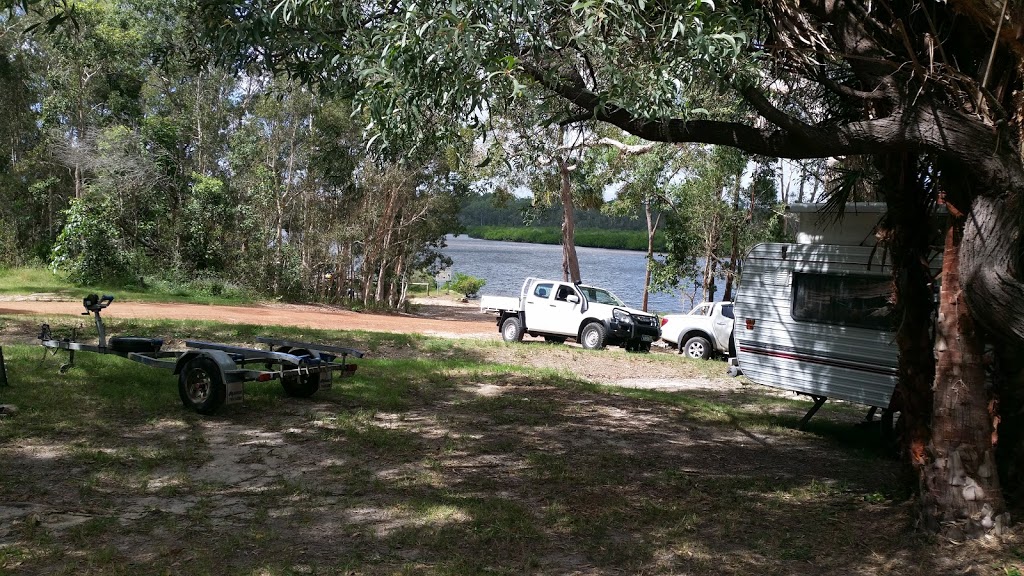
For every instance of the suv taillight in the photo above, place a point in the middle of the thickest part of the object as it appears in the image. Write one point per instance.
(664, 321)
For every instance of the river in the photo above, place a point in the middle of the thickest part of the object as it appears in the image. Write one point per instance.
(504, 265)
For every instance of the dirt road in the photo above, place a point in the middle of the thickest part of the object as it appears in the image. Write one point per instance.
(439, 316)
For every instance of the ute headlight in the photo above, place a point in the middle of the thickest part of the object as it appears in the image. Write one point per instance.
(621, 316)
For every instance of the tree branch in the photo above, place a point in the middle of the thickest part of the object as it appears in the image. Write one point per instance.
(939, 130)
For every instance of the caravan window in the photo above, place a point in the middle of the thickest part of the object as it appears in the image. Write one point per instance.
(858, 301)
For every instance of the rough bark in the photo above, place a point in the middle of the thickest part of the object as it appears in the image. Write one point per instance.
(960, 489)
(989, 265)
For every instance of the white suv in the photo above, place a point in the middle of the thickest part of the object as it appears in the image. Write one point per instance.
(704, 332)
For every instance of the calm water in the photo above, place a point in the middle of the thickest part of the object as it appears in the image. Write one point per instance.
(505, 264)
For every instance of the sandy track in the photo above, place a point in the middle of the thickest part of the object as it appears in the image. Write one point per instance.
(430, 318)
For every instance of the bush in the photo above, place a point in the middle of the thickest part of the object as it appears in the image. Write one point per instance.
(466, 284)
(89, 248)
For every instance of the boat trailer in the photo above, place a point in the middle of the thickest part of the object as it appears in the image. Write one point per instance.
(211, 374)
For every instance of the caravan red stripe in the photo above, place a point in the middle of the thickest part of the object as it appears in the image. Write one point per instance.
(884, 371)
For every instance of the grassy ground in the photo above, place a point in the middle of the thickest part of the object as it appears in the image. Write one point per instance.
(22, 281)
(444, 457)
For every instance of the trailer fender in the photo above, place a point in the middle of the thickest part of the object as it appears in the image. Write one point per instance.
(221, 358)
(232, 387)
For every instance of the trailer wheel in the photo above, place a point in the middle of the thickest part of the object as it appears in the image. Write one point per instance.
(697, 347)
(201, 385)
(592, 337)
(302, 385)
(512, 329)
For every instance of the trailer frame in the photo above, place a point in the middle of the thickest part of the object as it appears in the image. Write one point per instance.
(211, 374)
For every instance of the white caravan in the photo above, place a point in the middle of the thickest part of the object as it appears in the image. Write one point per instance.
(815, 318)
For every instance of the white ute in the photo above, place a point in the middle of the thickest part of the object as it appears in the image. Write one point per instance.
(558, 310)
(704, 332)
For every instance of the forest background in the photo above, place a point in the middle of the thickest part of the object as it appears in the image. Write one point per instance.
(129, 158)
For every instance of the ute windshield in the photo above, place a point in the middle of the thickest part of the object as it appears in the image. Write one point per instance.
(600, 296)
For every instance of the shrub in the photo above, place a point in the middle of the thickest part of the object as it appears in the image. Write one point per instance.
(466, 284)
(89, 248)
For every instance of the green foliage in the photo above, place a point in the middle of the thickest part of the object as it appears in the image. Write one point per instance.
(614, 239)
(202, 223)
(89, 248)
(460, 63)
(466, 284)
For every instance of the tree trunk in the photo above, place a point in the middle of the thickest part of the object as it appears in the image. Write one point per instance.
(570, 263)
(710, 263)
(988, 258)
(906, 233)
(278, 243)
(734, 256)
(652, 229)
(960, 484)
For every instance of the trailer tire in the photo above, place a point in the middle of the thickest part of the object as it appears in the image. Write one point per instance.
(593, 335)
(512, 329)
(201, 385)
(302, 385)
(698, 348)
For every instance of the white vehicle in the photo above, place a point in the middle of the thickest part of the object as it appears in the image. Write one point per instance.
(558, 310)
(814, 316)
(815, 319)
(705, 332)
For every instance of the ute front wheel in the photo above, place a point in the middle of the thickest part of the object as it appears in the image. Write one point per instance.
(201, 385)
(592, 337)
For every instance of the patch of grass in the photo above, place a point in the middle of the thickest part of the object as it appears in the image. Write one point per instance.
(367, 433)
(433, 459)
(199, 291)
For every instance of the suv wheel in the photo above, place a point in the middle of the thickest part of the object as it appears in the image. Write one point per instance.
(697, 347)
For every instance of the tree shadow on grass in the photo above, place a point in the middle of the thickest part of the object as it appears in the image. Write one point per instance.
(445, 467)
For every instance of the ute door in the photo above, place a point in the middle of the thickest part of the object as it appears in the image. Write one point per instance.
(537, 306)
(721, 324)
(560, 314)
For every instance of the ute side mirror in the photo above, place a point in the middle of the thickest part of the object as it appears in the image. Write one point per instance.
(572, 298)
